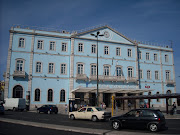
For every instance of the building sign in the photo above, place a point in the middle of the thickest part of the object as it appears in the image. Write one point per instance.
(118, 86)
(147, 87)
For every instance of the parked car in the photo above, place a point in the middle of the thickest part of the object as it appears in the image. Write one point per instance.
(90, 113)
(48, 109)
(1, 109)
(15, 104)
(151, 119)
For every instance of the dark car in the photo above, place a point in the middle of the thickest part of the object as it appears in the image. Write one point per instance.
(151, 119)
(48, 109)
(1, 109)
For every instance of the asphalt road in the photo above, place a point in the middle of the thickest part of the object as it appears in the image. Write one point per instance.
(59, 119)
(17, 129)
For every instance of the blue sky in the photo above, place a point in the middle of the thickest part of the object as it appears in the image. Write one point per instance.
(156, 21)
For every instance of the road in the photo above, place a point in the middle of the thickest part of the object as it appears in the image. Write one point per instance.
(18, 129)
(59, 119)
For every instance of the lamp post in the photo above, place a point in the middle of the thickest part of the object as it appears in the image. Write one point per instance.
(97, 95)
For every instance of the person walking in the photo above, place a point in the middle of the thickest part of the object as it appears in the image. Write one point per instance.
(129, 106)
(174, 108)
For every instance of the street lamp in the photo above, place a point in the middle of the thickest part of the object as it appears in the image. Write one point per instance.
(97, 95)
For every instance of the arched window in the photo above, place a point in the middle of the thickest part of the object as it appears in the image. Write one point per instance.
(62, 96)
(50, 95)
(18, 91)
(37, 95)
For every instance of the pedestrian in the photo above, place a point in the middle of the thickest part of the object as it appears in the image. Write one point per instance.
(75, 107)
(71, 107)
(174, 108)
(129, 106)
(147, 105)
(65, 108)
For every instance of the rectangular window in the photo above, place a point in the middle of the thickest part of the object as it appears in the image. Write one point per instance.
(106, 50)
(40, 44)
(21, 42)
(93, 69)
(52, 46)
(80, 47)
(167, 75)
(51, 68)
(130, 72)
(106, 70)
(64, 47)
(38, 67)
(156, 75)
(147, 56)
(139, 55)
(166, 58)
(118, 71)
(129, 52)
(155, 57)
(63, 69)
(80, 68)
(140, 74)
(148, 74)
(118, 51)
(19, 65)
(93, 49)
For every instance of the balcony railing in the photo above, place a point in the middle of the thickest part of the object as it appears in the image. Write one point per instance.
(19, 74)
(107, 78)
(170, 82)
(81, 77)
(131, 79)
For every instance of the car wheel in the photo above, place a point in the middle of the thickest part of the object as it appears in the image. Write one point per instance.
(94, 118)
(39, 111)
(56, 112)
(72, 117)
(153, 127)
(116, 125)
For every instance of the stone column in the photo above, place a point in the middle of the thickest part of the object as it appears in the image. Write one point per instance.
(100, 98)
(137, 101)
(7, 76)
(162, 82)
(86, 98)
(125, 101)
(29, 91)
(71, 80)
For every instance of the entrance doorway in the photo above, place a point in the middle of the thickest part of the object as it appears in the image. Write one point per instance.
(107, 99)
(18, 91)
(92, 99)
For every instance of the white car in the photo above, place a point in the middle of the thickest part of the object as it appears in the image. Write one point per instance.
(91, 113)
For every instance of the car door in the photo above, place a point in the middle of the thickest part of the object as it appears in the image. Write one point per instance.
(81, 114)
(131, 119)
(89, 113)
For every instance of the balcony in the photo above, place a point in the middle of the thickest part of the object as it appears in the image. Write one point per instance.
(170, 82)
(107, 78)
(19, 74)
(131, 79)
(81, 77)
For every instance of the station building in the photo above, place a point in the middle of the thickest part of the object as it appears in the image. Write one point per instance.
(50, 67)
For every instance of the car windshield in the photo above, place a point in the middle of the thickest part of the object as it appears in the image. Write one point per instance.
(99, 109)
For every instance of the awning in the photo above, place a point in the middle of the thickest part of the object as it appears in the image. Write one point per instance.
(110, 90)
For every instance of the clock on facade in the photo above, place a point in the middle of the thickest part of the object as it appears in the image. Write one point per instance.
(106, 34)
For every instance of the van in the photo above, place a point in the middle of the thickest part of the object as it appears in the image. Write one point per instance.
(15, 104)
